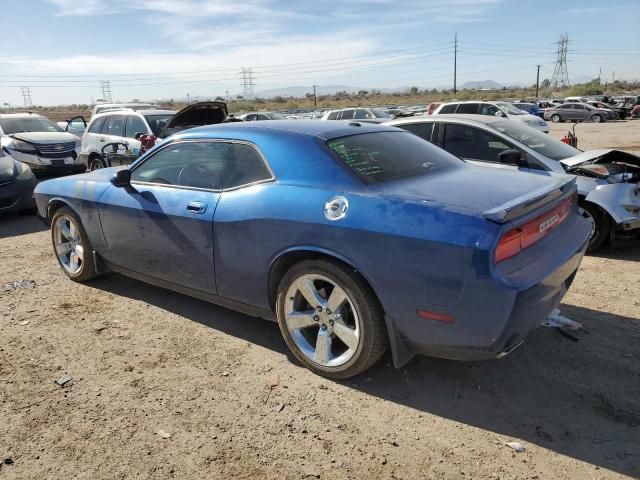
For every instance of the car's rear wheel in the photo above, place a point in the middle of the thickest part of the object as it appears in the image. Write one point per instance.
(596, 118)
(555, 118)
(600, 221)
(95, 164)
(72, 246)
(330, 319)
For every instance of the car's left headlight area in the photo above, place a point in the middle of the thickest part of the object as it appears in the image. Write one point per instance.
(21, 147)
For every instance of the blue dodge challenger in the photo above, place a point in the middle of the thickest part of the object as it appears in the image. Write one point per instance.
(353, 237)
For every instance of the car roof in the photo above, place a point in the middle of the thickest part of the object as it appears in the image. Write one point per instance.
(122, 111)
(316, 128)
(457, 118)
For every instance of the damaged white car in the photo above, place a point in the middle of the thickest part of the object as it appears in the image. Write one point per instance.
(608, 180)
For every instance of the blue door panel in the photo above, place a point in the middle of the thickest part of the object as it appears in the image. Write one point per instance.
(161, 231)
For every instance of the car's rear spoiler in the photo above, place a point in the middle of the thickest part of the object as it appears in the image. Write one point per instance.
(531, 200)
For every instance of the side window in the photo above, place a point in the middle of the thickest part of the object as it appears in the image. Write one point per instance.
(250, 118)
(135, 125)
(422, 130)
(115, 126)
(262, 117)
(472, 143)
(567, 106)
(187, 164)
(96, 126)
(333, 116)
(347, 114)
(244, 165)
(361, 113)
(467, 108)
(450, 108)
(577, 106)
(488, 109)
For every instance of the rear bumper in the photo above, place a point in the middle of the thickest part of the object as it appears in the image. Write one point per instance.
(495, 313)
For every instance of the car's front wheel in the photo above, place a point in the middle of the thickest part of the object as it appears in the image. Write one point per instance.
(596, 118)
(555, 118)
(96, 164)
(71, 246)
(330, 319)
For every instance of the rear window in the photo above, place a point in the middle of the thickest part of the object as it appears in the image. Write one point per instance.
(157, 122)
(384, 156)
(451, 108)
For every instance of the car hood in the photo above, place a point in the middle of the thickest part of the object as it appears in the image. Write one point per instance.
(8, 170)
(44, 137)
(602, 156)
(472, 189)
(195, 115)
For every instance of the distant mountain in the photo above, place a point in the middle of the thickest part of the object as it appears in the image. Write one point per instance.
(481, 85)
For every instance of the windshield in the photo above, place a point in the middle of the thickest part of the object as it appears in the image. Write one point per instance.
(380, 113)
(27, 124)
(157, 122)
(383, 156)
(276, 116)
(510, 109)
(535, 139)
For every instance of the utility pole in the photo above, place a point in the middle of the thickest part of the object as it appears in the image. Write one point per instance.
(537, 81)
(26, 96)
(247, 83)
(599, 75)
(315, 98)
(105, 88)
(560, 78)
(613, 82)
(455, 63)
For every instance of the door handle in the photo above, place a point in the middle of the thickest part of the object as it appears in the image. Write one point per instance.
(196, 207)
(101, 139)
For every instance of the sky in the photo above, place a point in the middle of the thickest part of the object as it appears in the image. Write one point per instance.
(161, 49)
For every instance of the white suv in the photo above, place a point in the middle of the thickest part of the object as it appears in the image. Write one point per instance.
(40, 143)
(120, 126)
(498, 109)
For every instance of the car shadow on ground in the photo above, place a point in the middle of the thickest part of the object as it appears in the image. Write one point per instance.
(579, 398)
(627, 250)
(14, 224)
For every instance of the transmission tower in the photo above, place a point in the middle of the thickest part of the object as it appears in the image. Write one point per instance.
(26, 96)
(247, 83)
(560, 78)
(105, 88)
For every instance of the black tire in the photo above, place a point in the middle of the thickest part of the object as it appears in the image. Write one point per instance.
(87, 268)
(601, 224)
(555, 118)
(96, 163)
(596, 118)
(373, 336)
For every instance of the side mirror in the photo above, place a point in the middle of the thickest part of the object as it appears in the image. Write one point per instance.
(138, 135)
(122, 178)
(499, 113)
(512, 157)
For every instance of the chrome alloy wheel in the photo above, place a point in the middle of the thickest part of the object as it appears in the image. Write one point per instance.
(68, 244)
(322, 320)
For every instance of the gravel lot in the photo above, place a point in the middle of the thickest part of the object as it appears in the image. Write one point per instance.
(165, 386)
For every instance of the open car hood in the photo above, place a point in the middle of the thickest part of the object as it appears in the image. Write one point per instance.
(195, 115)
(606, 155)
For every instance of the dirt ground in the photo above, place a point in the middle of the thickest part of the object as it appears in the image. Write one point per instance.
(165, 386)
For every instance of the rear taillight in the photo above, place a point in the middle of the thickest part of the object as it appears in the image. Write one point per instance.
(516, 240)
